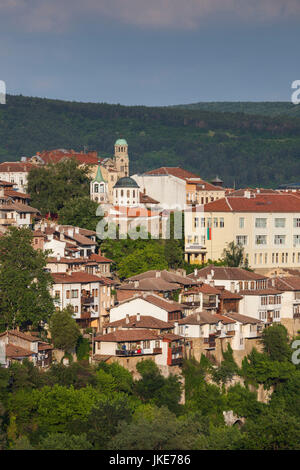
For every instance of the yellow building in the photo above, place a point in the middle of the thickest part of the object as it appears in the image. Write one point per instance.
(266, 225)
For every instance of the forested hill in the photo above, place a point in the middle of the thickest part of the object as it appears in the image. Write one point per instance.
(242, 148)
(265, 108)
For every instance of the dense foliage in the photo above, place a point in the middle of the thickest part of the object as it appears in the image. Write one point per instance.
(243, 149)
(25, 298)
(56, 186)
(102, 407)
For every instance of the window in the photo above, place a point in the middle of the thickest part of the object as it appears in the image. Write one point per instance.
(296, 240)
(202, 222)
(221, 221)
(196, 239)
(279, 239)
(57, 294)
(241, 240)
(74, 294)
(264, 300)
(215, 222)
(146, 344)
(76, 309)
(297, 222)
(67, 294)
(96, 188)
(260, 223)
(196, 222)
(262, 315)
(242, 222)
(279, 222)
(209, 223)
(261, 239)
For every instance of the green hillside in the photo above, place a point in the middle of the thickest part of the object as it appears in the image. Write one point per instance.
(242, 148)
(264, 108)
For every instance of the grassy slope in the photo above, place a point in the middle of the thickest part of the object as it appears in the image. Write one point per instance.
(241, 148)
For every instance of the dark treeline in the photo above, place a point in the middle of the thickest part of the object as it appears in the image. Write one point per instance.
(244, 149)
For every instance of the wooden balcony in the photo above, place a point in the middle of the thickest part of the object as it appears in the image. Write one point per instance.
(87, 300)
(8, 221)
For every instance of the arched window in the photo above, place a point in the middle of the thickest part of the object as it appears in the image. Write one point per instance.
(122, 193)
(128, 193)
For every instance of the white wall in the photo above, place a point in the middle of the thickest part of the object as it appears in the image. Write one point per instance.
(137, 306)
(167, 189)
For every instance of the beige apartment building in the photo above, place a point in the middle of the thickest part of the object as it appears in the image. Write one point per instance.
(266, 225)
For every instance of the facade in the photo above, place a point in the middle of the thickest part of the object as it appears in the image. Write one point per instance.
(266, 225)
(175, 187)
(18, 346)
(89, 295)
(16, 173)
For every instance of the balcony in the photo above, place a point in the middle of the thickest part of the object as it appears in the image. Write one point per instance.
(133, 352)
(230, 333)
(194, 248)
(177, 350)
(8, 221)
(177, 361)
(87, 300)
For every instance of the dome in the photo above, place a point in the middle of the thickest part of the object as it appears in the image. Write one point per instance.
(126, 182)
(121, 142)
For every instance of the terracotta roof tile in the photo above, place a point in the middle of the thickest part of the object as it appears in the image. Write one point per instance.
(127, 335)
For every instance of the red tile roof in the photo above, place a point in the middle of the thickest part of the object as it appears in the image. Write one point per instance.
(290, 283)
(226, 273)
(146, 321)
(100, 258)
(14, 167)
(13, 351)
(243, 318)
(20, 334)
(199, 318)
(127, 335)
(174, 171)
(75, 278)
(259, 203)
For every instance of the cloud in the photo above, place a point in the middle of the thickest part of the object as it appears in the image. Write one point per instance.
(57, 15)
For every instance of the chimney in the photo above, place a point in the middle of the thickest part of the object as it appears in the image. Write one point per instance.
(157, 274)
(138, 317)
(58, 257)
(70, 232)
(136, 283)
(198, 316)
(195, 272)
(212, 272)
(127, 318)
(76, 229)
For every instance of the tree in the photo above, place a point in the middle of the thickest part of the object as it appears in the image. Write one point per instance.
(154, 388)
(64, 441)
(159, 429)
(233, 256)
(273, 430)
(64, 329)
(275, 340)
(24, 284)
(144, 259)
(79, 212)
(52, 186)
(104, 418)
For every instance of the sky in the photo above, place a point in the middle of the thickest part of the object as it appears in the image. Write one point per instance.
(150, 52)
